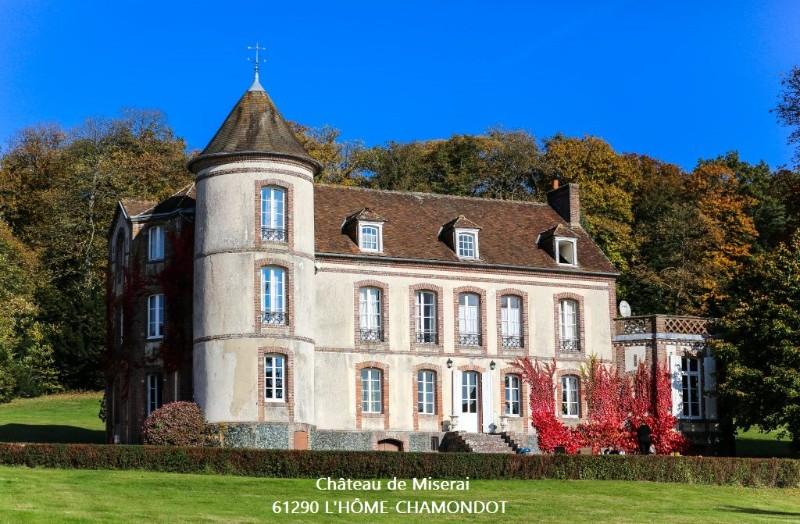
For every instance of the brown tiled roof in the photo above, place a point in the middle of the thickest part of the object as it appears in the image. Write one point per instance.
(367, 214)
(181, 200)
(254, 127)
(462, 222)
(509, 229)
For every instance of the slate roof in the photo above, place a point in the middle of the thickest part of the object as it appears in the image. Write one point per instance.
(414, 221)
(254, 127)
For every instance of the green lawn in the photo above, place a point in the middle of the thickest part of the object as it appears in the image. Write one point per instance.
(66, 417)
(39, 495)
(757, 443)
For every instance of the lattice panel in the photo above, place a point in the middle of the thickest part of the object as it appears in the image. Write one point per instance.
(690, 326)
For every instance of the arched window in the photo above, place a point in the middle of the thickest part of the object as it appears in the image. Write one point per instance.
(273, 295)
(369, 314)
(274, 378)
(569, 327)
(371, 390)
(469, 319)
(511, 321)
(426, 317)
(512, 395)
(426, 392)
(570, 396)
(273, 214)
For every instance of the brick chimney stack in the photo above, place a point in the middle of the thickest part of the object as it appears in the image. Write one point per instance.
(565, 200)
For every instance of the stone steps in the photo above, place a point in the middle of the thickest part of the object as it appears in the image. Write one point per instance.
(485, 442)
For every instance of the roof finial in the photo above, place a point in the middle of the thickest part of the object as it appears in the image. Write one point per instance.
(256, 86)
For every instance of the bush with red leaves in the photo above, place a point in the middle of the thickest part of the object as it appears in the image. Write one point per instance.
(176, 424)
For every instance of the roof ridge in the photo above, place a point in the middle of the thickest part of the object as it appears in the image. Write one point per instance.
(435, 195)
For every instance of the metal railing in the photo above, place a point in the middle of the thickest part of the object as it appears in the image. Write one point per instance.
(273, 235)
(469, 339)
(571, 345)
(371, 335)
(426, 337)
(274, 318)
(512, 342)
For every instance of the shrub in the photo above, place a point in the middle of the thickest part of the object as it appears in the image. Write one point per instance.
(372, 464)
(175, 424)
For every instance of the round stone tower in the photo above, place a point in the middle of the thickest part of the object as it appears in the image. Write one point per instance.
(254, 269)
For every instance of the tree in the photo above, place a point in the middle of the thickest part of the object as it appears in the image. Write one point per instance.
(758, 342)
(788, 109)
(337, 158)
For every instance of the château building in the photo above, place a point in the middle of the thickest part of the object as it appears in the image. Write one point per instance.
(302, 315)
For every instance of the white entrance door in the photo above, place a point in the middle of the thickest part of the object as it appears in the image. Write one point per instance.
(470, 401)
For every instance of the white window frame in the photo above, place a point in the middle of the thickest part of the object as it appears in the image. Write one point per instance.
(273, 291)
(273, 216)
(371, 390)
(274, 378)
(155, 317)
(154, 387)
(378, 226)
(370, 309)
(511, 327)
(459, 232)
(155, 243)
(570, 396)
(573, 241)
(569, 328)
(512, 406)
(688, 394)
(426, 392)
(422, 318)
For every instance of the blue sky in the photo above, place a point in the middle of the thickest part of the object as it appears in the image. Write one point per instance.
(677, 81)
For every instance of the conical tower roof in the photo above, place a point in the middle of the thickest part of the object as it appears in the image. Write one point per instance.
(255, 128)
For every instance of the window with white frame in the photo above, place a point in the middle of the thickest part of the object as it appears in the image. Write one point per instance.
(568, 315)
(153, 385)
(511, 321)
(274, 378)
(273, 214)
(273, 295)
(570, 404)
(566, 251)
(426, 392)
(512, 395)
(469, 319)
(426, 317)
(467, 243)
(371, 390)
(155, 316)
(370, 236)
(690, 387)
(155, 243)
(369, 313)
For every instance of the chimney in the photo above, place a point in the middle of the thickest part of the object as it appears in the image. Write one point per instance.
(566, 202)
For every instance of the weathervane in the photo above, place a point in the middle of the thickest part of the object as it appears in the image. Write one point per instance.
(257, 61)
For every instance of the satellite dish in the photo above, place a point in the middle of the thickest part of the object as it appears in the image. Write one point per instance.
(624, 309)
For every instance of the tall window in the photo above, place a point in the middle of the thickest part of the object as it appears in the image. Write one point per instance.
(371, 391)
(426, 317)
(467, 244)
(119, 258)
(274, 378)
(511, 321)
(273, 295)
(370, 237)
(690, 387)
(512, 406)
(469, 320)
(369, 308)
(153, 383)
(273, 214)
(426, 392)
(155, 316)
(570, 406)
(155, 243)
(569, 325)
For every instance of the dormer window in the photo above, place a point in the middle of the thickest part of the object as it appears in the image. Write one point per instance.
(566, 251)
(370, 236)
(467, 243)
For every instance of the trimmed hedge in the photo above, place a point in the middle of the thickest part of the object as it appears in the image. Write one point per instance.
(370, 464)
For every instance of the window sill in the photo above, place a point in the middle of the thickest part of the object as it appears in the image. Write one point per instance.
(155, 339)
(371, 415)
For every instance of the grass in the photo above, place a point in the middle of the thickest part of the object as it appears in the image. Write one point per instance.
(40, 495)
(65, 417)
(757, 443)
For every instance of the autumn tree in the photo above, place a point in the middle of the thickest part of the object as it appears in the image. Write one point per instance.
(788, 109)
(338, 158)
